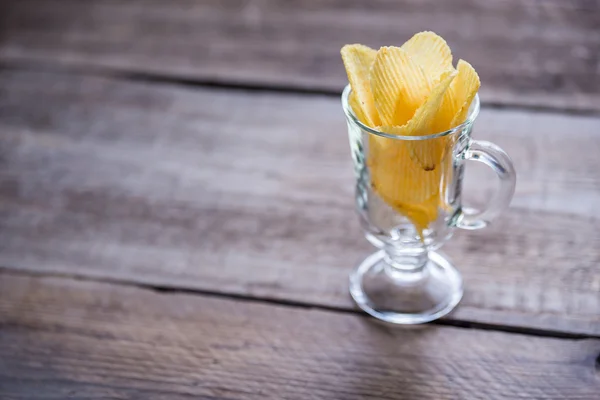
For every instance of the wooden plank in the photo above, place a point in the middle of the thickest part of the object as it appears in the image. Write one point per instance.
(527, 52)
(62, 338)
(252, 194)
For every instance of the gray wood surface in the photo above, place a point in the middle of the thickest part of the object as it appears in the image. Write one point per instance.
(163, 240)
(534, 53)
(61, 338)
(251, 194)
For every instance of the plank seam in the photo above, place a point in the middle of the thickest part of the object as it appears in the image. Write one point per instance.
(171, 290)
(165, 79)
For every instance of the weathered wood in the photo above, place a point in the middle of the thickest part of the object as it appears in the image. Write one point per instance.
(61, 338)
(251, 193)
(540, 53)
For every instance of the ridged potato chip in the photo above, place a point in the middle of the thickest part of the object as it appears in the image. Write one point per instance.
(458, 98)
(401, 182)
(403, 172)
(431, 52)
(428, 153)
(357, 60)
(397, 174)
(447, 110)
(398, 84)
(357, 108)
(464, 91)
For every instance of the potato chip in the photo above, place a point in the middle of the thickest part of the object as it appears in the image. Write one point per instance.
(403, 172)
(426, 153)
(398, 84)
(422, 120)
(458, 98)
(397, 174)
(465, 88)
(357, 60)
(447, 110)
(357, 108)
(401, 182)
(431, 52)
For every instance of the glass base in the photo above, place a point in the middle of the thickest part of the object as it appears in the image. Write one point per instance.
(406, 296)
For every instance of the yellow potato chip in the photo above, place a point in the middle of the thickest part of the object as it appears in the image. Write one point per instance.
(464, 91)
(458, 98)
(431, 52)
(357, 60)
(426, 153)
(395, 174)
(357, 108)
(401, 182)
(398, 84)
(403, 172)
(447, 110)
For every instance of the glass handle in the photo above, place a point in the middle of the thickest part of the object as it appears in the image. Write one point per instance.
(495, 158)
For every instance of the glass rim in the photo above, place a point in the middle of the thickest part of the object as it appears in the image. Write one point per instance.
(473, 112)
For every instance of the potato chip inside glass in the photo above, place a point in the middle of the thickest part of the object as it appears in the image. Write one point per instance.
(410, 115)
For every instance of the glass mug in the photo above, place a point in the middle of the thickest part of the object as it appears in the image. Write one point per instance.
(408, 197)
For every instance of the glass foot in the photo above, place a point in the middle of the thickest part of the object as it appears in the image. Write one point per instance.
(406, 296)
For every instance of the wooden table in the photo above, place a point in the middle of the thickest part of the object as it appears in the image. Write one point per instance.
(176, 214)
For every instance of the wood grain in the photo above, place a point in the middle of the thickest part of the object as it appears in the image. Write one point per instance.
(251, 193)
(68, 339)
(535, 53)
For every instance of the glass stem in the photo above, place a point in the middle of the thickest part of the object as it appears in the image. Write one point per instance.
(405, 264)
